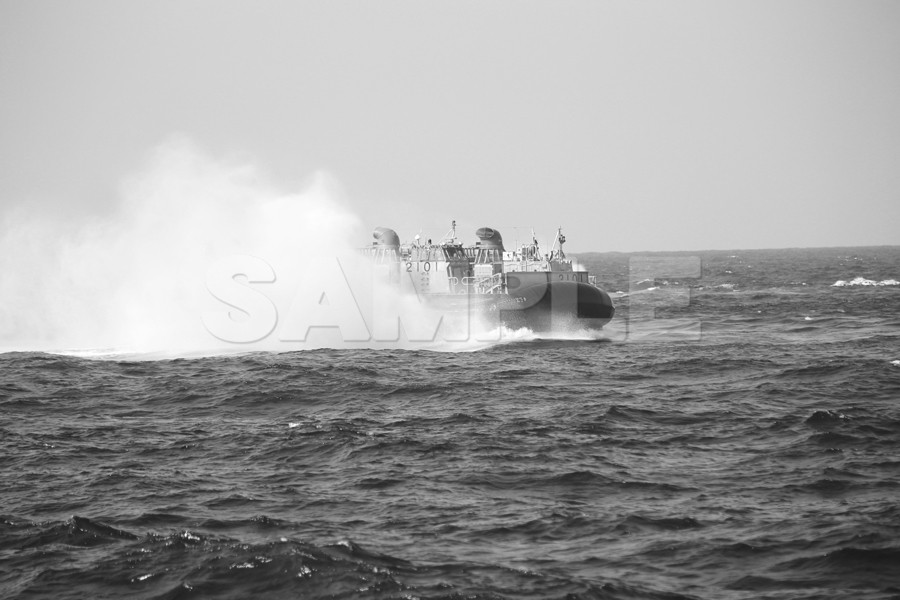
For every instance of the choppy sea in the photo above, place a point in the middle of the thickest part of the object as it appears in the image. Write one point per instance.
(751, 450)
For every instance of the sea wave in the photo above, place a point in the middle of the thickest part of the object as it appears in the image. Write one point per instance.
(758, 459)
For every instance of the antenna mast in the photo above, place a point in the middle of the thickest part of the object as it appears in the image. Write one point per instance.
(450, 236)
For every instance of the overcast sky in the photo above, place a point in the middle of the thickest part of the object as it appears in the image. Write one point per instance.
(634, 125)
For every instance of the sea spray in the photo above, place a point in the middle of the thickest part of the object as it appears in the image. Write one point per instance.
(135, 279)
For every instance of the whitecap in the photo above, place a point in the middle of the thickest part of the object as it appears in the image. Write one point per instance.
(862, 281)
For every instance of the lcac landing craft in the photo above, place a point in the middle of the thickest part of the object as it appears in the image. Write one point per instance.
(520, 288)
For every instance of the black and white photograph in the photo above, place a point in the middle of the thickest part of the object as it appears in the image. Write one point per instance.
(450, 299)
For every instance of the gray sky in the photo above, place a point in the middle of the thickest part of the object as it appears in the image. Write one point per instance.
(634, 125)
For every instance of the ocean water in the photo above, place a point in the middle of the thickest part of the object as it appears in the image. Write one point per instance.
(739, 438)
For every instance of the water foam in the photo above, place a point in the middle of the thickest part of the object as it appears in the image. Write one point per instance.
(862, 281)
